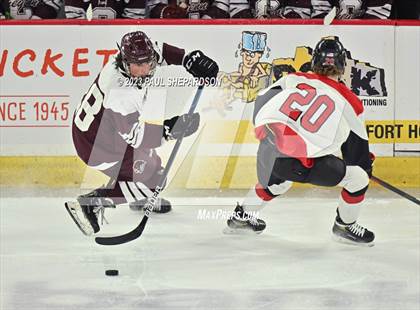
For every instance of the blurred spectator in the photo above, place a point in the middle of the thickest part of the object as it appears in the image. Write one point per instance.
(299, 9)
(169, 9)
(265, 8)
(353, 9)
(111, 9)
(3, 10)
(406, 9)
(296, 9)
(207, 9)
(34, 9)
(229, 9)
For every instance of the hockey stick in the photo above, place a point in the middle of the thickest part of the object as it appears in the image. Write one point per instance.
(395, 190)
(136, 232)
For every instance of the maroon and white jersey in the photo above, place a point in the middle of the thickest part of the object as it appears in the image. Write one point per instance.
(308, 115)
(284, 9)
(35, 9)
(228, 9)
(352, 9)
(213, 9)
(111, 9)
(296, 9)
(196, 9)
(108, 119)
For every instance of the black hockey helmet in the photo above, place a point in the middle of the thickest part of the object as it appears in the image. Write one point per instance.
(329, 53)
(137, 48)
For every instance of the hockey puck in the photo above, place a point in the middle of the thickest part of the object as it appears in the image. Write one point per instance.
(111, 272)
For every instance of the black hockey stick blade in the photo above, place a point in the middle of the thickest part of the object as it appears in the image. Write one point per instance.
(130, 236)
(396, 190)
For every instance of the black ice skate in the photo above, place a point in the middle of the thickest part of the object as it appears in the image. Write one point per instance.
(161, 206)
(352, 233)
(86, 210)
(243, 222)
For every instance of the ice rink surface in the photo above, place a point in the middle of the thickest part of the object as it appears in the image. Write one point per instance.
(182, 262)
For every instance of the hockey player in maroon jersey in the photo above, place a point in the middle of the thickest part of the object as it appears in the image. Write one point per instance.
(110, 136)
(301, 121)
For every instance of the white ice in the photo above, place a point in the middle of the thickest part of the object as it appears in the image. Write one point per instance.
(181, 262)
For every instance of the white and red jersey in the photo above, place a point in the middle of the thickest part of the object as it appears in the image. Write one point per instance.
(308, 115)
(108, 119)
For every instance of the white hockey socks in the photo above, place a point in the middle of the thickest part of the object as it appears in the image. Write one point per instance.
(258, 197)
(354, 185)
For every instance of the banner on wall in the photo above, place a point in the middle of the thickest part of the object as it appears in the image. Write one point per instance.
(45, 73)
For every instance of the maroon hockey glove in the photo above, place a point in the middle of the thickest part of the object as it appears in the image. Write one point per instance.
(181, 126)
(200, 66)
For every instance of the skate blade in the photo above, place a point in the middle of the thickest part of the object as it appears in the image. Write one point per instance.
(71, 209)
(239, 231)
(349, 242)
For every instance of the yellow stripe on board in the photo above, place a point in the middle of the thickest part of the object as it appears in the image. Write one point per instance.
(380, 132)
(48, 171)
(243, 129)
(393, 131)
(205, 173)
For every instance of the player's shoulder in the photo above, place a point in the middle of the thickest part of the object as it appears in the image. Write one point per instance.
(110, 76)
(351, 97)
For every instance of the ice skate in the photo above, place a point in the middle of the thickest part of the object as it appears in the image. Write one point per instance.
(243, 222)
(161, 206)
(86, 211)
(352, 233)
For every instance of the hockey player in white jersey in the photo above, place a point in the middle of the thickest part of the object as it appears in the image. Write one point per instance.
(301, 121)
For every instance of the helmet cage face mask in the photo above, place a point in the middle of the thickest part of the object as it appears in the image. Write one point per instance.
(136, 48)
(329, 53)
(152, 63)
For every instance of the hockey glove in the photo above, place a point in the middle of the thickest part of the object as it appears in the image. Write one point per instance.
(200, 66)
(180, 126)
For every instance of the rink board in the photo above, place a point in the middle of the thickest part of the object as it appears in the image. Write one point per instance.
(42, 83)
(234, 172)
(182, 261)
